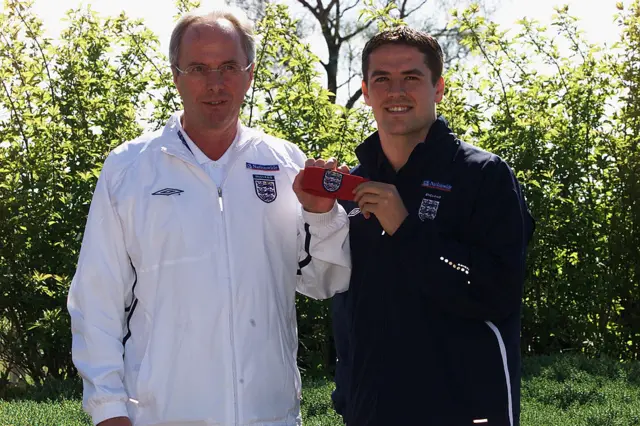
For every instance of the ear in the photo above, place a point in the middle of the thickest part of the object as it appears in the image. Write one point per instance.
(365, 93)
(251, 75)
(439, 90)
(174, 72)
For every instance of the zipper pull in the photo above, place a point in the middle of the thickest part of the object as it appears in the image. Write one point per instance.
(220, 198)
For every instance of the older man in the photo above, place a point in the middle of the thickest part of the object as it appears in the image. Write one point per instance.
(198, 236)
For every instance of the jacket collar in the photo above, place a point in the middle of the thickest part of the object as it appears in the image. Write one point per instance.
(177, 143)
(436, 151)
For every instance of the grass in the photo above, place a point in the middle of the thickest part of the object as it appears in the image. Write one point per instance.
(556, 391)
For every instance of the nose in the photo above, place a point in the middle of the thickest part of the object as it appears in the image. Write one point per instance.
(396, 87)
(214, 80)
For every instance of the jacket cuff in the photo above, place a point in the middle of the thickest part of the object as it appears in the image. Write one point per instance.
(108, 410)
(322, 219)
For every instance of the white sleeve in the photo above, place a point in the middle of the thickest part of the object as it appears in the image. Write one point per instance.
(96, 303)
(324, 253)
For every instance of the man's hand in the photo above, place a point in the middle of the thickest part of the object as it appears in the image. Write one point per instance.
(384, 202)
(313, 203)
(116, 421)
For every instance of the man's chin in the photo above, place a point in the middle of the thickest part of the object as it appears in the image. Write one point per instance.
(403, 129)
(218, 122)
(399, 131)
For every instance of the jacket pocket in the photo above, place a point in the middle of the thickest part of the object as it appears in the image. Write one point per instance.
(479, 371)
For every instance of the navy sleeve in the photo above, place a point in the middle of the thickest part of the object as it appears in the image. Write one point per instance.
(482, 276)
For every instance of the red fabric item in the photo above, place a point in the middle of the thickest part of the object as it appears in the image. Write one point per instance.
(330, 183)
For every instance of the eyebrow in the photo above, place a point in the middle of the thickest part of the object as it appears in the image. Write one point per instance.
(230, 61)
(414, 71)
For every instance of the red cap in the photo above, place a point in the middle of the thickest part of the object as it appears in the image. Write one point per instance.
(330, 183)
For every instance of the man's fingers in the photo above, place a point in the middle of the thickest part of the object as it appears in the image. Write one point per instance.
(368, 200)
(362, 193)
(310, 162)
(367, 188)
(344, 169)
(367, 209)
(330, 164)
(320, 163)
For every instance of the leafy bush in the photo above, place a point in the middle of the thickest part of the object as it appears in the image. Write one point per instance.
(66, 105)
(568, 124)
(570, 129)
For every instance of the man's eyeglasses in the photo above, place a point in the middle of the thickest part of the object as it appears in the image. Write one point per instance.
(203, 71)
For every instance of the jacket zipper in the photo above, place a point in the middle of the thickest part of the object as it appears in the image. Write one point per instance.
(231, 328)
(224, 227)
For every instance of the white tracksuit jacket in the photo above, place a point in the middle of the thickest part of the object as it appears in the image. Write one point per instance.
(199, 283)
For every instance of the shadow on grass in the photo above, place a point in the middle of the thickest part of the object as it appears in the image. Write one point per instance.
(51, 390)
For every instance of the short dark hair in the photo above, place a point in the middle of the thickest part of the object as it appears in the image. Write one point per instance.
(424, 42)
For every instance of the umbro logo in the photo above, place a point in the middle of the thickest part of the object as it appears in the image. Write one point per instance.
(354, 212)
(168, 191)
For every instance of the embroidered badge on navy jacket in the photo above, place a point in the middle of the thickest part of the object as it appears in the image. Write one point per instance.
(428, 209)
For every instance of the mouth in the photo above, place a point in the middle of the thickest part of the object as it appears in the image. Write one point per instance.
(215, 103)
(398, 109)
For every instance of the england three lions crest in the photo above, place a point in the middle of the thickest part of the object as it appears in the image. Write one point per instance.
(265, 187)
(428, 209)
(332, 180)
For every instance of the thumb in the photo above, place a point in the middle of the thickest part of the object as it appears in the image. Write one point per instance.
(297, 182)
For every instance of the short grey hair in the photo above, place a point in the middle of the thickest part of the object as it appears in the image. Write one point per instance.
(232, 14)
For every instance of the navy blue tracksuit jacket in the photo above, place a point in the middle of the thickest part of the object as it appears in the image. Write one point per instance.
(429, 331)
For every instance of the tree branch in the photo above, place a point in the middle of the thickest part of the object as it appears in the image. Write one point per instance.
(19, 73)
(495, 69)
(353, 99)
(356, 32)
(317, 11)
(44, 59)
(133, 37)
(336, 28)
(403, 8)
(402, 12)
(330, 6)
(444, 32)
(255, 74)
(341, 85)
(348, 8)
(16, 117)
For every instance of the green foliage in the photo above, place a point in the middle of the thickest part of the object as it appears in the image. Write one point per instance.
(557, 391)
(566, 120)
(288, 101)
(384, 16)
(65, 106)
